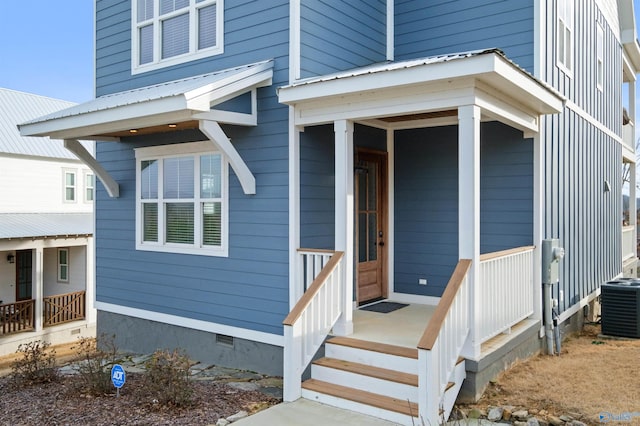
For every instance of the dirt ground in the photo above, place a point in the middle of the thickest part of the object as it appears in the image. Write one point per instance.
(592, 375)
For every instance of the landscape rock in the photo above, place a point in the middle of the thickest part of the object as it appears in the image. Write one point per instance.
(533, 421)
(222, 422)
(495, 414)
(577, 423)
(566, 418)
(475, 413)
(517, 423)
(507, 413)
(245, 386)
(555, 421)
(521, 414)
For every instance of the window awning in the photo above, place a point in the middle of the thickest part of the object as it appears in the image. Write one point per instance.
(174, 105)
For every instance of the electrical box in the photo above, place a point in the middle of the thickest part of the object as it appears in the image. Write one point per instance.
(552, 253)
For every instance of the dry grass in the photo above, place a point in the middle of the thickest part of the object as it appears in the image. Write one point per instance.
(592, 375)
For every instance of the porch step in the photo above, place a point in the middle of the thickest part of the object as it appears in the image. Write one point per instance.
(395, 384)
(373, 354)
(388, 408)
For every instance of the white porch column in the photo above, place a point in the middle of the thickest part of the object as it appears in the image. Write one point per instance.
(296, 286)
(38, 286)
(469, 213)
(344, 218)
(538, 220)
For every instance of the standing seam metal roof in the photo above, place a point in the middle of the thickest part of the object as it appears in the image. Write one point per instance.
(18, 107)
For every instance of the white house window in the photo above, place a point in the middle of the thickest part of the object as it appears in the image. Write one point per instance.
(599, 57)
(182, 199)
(63, 265)
(89, 187)
(69, 186)
(565, 34)
(170, 32)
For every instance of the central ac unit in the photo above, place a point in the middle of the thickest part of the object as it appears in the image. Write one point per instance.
(620, 301)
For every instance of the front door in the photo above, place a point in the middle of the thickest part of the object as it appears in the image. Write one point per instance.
(24, 275)
(371, 214)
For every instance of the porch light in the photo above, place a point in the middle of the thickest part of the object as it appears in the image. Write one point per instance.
(133, 131)
(11, 258)
(173, 125)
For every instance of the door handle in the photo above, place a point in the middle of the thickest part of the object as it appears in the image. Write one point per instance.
(381, 243)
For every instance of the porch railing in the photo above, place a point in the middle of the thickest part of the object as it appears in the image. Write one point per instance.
(63, 308)
(17, 317)
(505, 290)
(441, 344)
(628, 244)
(310, 321)
(628, 135)
(311, 263)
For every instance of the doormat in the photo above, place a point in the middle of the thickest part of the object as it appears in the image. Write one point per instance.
(384, 307)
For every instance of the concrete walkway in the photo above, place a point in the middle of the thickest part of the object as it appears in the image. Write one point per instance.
(308, 413)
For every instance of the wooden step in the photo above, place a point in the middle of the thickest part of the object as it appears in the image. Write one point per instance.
(367, 370)
(375, 400)
(375, 347)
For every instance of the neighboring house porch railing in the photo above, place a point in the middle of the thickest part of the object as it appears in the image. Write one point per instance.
(441, 344)
(628, 244)
(505, 290)
(63, 308)
(17, 317)
(311, 319)
(628, 135)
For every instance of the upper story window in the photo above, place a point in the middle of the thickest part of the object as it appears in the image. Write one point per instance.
(89, 187)
(599, 57)
(69, 186)
(565, 34)
(169, 32)
(63, 265)
(181, 199)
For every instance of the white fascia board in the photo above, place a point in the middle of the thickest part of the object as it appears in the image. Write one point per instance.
(112, 187)
(217, 136)
(632, 50)
(508, 113)
(215, 93)
(110, 120)
(396, 78)
(228, 117)
(388, 102)
(544, 100)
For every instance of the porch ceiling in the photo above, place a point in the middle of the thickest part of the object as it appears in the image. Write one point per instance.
(419, 91)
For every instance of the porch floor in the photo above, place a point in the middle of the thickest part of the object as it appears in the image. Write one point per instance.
(402, 327)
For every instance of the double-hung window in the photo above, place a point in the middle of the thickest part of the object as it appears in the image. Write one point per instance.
(182, 199)
(89, 187)
(63, 265)
(564, 45)
(169, 32)
(69, 178)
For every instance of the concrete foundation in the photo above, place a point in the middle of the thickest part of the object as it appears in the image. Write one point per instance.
(144, 336)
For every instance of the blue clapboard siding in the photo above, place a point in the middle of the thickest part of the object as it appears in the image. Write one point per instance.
(250, 288)
(426, 201)
(336, 36)
(254, 31)
(427, 28)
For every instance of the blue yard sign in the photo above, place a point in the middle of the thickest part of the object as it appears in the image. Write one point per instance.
(118, 376)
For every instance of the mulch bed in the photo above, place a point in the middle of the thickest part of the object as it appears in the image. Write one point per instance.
(61, 403)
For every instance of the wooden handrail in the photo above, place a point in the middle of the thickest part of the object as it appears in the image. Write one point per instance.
(313, 289)
(430, 335)
(319, 251)
(502, 253)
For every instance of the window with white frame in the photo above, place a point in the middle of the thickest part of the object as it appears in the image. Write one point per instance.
(599, 57)
(63, 265)
(169, 32)
(69, 178)
(182, 199)
(89, 187)
(565, 34)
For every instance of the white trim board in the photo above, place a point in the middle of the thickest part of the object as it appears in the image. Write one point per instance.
(241, 333)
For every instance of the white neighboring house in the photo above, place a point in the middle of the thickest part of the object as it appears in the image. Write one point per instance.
(46, 231)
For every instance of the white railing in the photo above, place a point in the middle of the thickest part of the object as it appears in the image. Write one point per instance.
(310, 321)
(505, 290)
(628, 135)
(628, 246)
(311, 263)
(441, 344)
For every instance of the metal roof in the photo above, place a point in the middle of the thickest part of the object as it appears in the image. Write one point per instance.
(189, 88)
(17, 107)
(45, 225)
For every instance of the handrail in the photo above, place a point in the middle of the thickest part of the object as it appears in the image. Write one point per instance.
(313, 289)
(430, 334)
(300, 250)
(502, 253)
